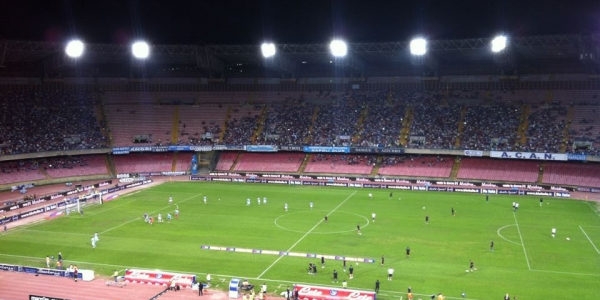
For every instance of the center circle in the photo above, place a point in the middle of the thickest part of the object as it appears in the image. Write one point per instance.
(338, 221)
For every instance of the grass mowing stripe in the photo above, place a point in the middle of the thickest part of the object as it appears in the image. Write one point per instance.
(307, 233)
(589, 239)
(522, 243)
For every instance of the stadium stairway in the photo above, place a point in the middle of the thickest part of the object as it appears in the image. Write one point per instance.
(261, 123)
(312, 124)
(229, 109)
(375, 170)
(307, 158)
(541, 173)
(45, 173)
(564, 145)
(174, 163)
(175, 129)
(389, 98)
(101, 117)
(237, 159)
(550, 94)
(522, 130)
(461, 126)
(445, 98)
(455, 168)
(405, 131)
(110, 165)
(360, 124)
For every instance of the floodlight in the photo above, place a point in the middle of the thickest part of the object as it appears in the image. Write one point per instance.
(338, 48)
(74, 48)
(498, 43)
(140, 50)
(268, 50)
(418, 46)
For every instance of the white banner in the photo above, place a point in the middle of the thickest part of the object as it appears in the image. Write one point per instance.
(473, 153)
(529, 155)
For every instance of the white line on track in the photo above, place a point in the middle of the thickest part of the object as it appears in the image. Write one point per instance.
(306, 234)
(522, 243)
(589, 239)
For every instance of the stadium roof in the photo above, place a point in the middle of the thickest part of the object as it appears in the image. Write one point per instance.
(476, 49)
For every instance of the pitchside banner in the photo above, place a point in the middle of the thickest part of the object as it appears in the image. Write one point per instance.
(311, 292)
(529, 155)
(159, 278)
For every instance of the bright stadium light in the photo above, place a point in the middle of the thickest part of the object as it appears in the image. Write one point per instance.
(75, 48)
(268, 50)
(140, 50)
(338, 48)
(418, 46)
(498, 43)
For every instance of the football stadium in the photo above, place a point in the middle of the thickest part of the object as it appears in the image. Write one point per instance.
(136, 164)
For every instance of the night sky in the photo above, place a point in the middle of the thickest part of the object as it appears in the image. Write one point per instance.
(286, 21)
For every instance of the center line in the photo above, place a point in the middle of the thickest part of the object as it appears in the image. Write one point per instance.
(523, 244)
(307, 233)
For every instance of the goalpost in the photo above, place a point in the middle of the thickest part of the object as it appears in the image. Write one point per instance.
(77, 204)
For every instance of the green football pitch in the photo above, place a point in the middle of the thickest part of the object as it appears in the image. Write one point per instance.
(526, 262)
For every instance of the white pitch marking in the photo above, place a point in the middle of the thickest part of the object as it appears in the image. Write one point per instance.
(589, 239)
(107, 230)
(306, 234)
(506, 238)
(522, 243)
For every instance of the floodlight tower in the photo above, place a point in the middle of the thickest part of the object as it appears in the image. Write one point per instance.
(503, 57)
(140, 50)
(338, 48)
(268, 50)
(420, 58)
(75, 49)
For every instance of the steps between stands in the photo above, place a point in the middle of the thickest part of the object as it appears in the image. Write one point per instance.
(461, 126)
(312, 125)
(235, 162)
(377, 166)
(455, 168)
(174, 164)
(261, 123)
(522, 130)
(175, 129)
(304, 163)
(110, 165)
(541, 173)
(563, 146)
(229, 109)
(406, 123)
(44, 172)
(360, 128)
